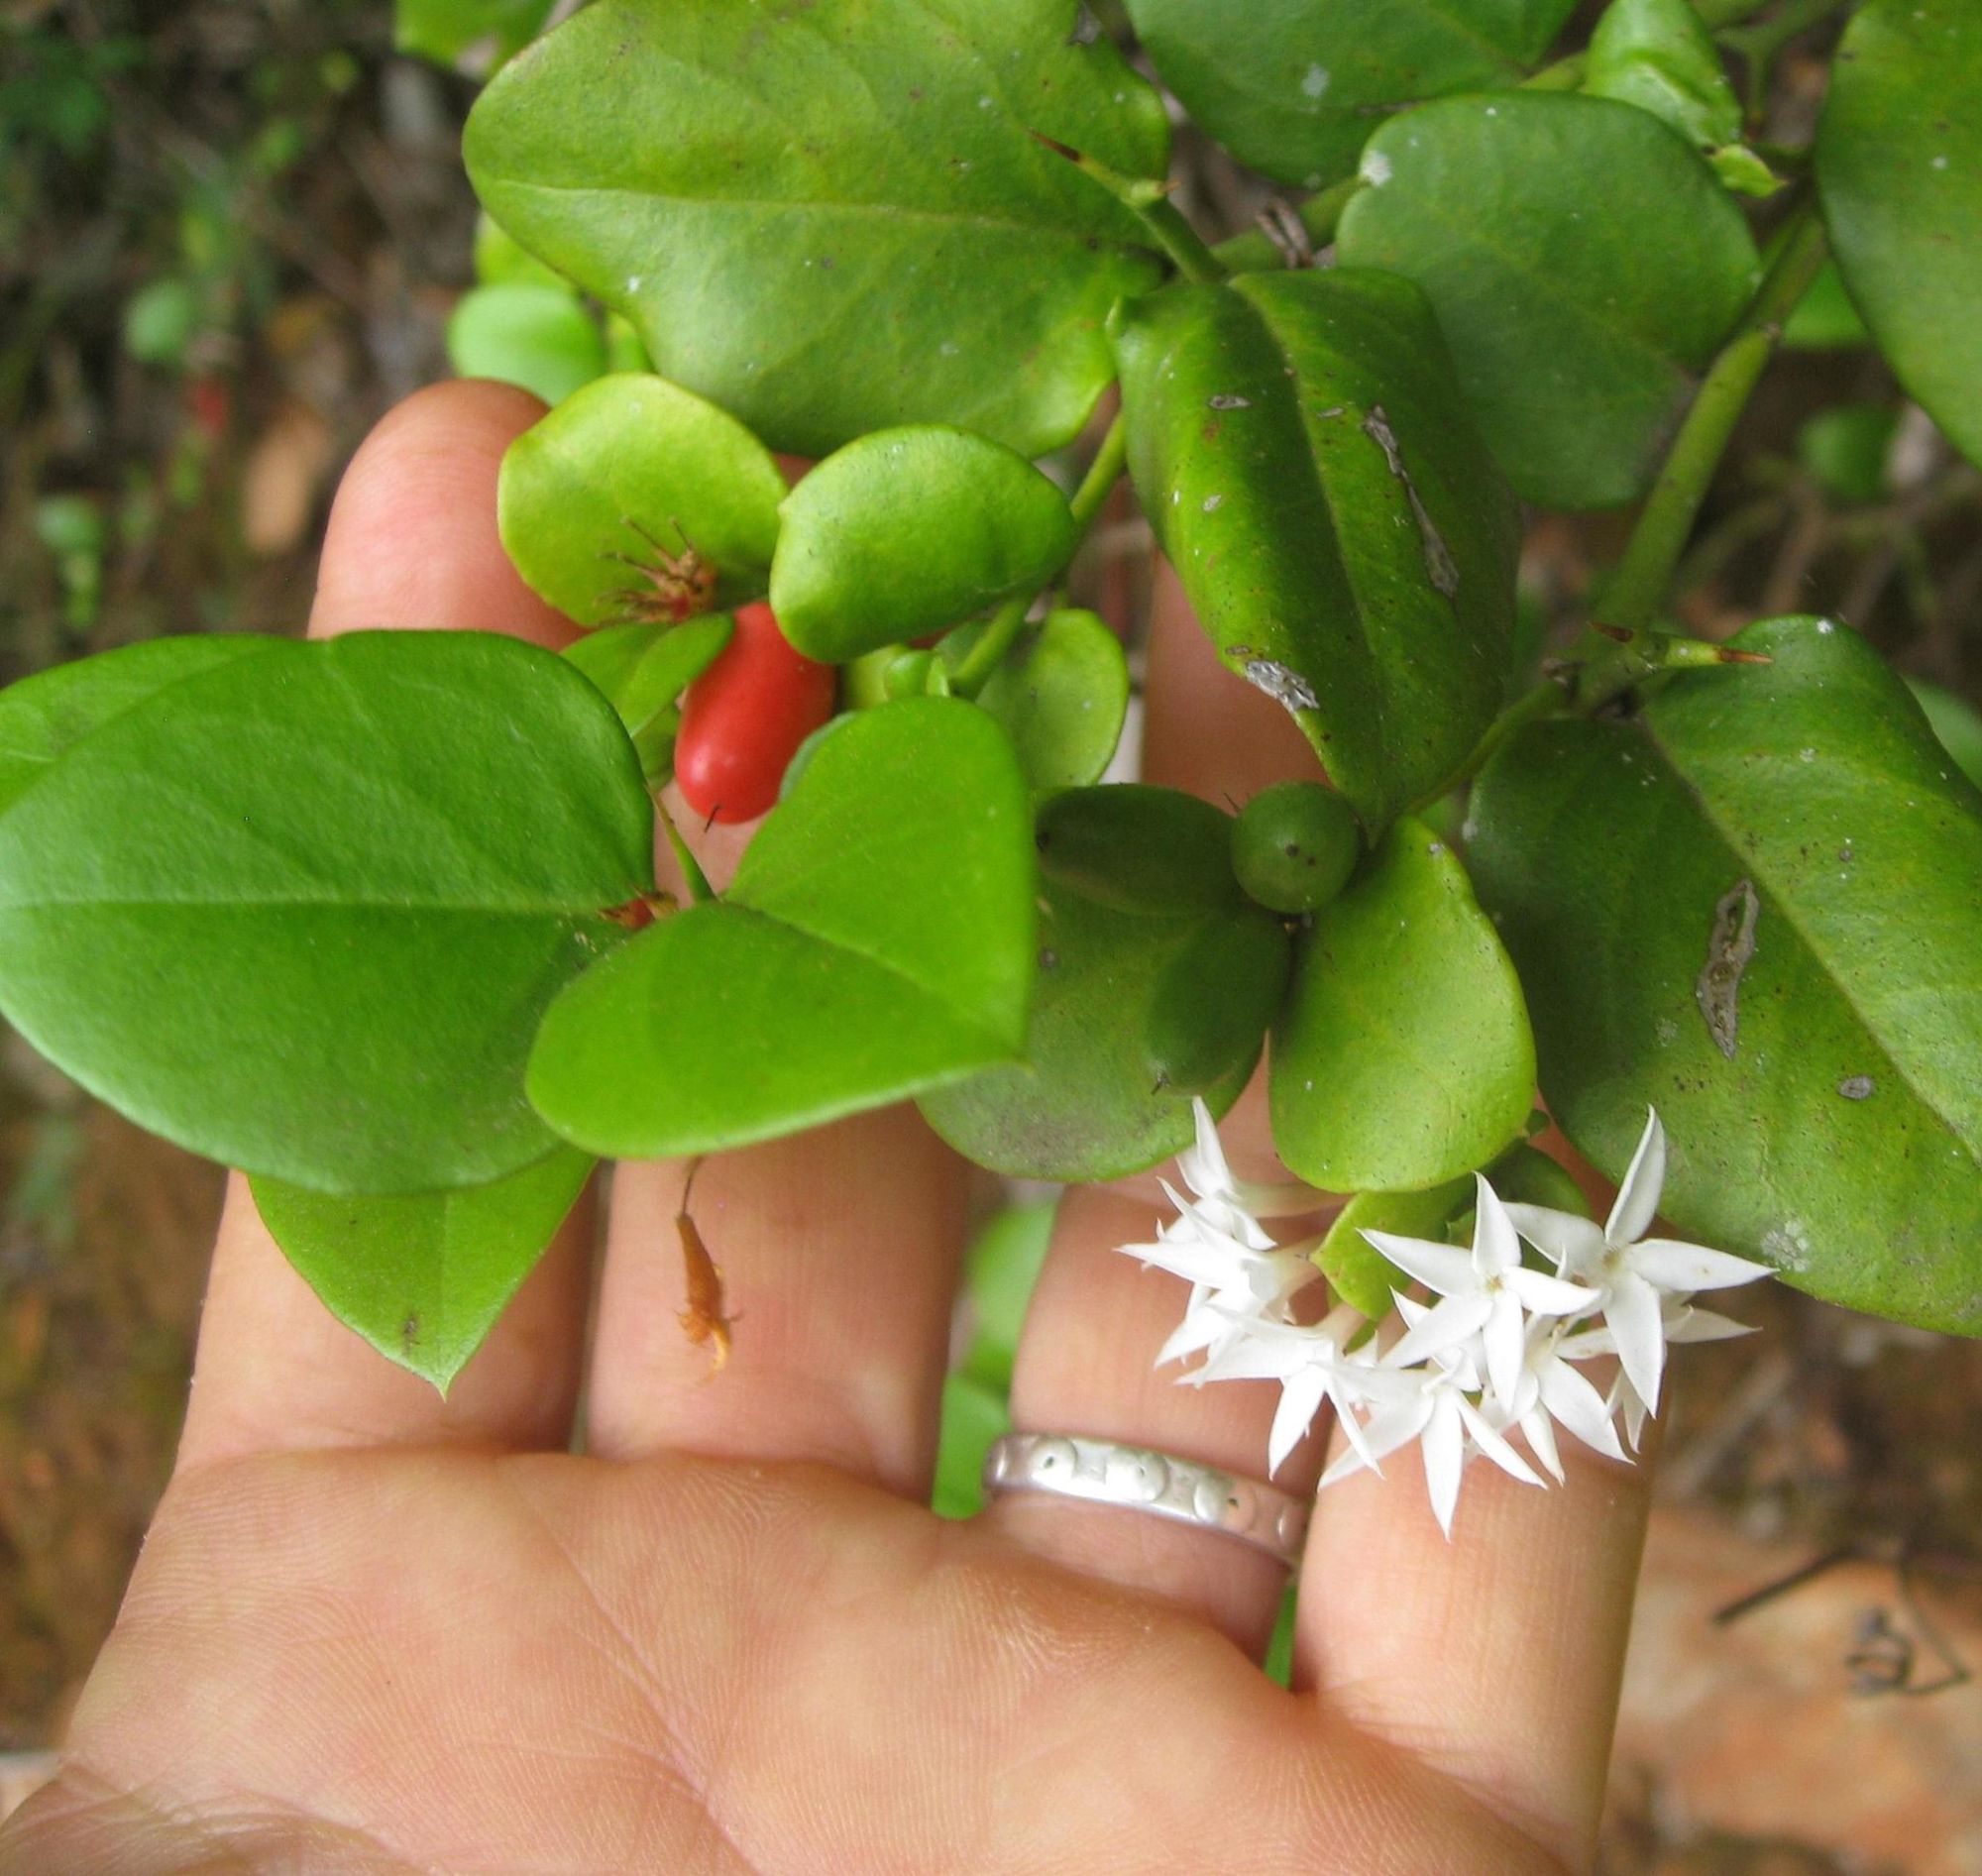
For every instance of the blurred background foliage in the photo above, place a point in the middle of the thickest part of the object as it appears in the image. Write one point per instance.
(234, 232)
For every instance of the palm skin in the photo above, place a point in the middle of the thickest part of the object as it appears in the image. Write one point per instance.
(375, 1662)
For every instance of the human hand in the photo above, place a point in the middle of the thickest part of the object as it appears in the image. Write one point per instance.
(372, 1631)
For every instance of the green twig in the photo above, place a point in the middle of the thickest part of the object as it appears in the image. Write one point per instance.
(1148, 198)
(1635, 591)
(999, 636)
(1546, 698)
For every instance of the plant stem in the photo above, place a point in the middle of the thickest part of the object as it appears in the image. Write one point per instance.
(1546, 696)
(1149, 200)
(700, 891)
(1636, 590)
(1009, 620)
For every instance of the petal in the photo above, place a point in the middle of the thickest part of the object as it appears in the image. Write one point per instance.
(1638, 1197)
(1550, 1295)
(1199, 1329)
(1673, 1266)
(1444, 1458)
(1506, 1341)
(1495, 1247)
(1576, 1243)
(1458, 1319)
(1383, 1433)
(1301, 1396)
(1571, 1399)
(1443, 1267)
(1540, 1436)
(1493, 1446)
(1703, 1325)
(1631, 1308)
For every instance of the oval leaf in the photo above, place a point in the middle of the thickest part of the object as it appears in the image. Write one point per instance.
(643, 668)
(1291, 87)
(1759, 908)
(302, 912)
(1062, 697)
(906, 532)
(1899, 164)
(1086, 1102)
(423, 1276)
(1301, 447)
(1361, 1274)
(1583, 263)
(834, 218)
(1658, 55)
(1403, 1057)
(601, 501)
(877, 941)
(536, 337)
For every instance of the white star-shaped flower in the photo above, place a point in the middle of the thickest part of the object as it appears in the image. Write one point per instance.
(1312, 1365)
(1485, 1293)
(1550, 1392)
(1438, 1414)
(1679, 1321)
(1211, 1180)
(1633, 1276)
(1235, 1278)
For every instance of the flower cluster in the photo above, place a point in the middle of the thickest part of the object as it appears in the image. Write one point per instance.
(1497, 1353)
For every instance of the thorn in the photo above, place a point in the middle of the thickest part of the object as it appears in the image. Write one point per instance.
(1621, 633)
(1728, 655)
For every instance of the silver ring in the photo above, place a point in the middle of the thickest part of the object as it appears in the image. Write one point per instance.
(1105, 1472)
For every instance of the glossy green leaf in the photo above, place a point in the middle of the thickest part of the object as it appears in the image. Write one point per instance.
(302, 912)
(450, 31)
(1300, 444)
(1658, 55)
(1355, 1270)
(974, 1416)
(1583, 261)
(907, 531)
(643, 668)
(834, 218)
(1899, 164)
(1001, 1270)
(1062, 697)
(1211, 1006)
(877, 939)
(536, 337)
(601, 501)
(1824, 320)
(1403, 1055)
(44, 716)
(1084, 1103)
(1292, 88)
(1955, 722)
(1759, 908)
(423, 1276)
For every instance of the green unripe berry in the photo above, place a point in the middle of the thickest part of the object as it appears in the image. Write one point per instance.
(1294, 846)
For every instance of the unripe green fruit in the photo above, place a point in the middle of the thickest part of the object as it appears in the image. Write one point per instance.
(1294, 846)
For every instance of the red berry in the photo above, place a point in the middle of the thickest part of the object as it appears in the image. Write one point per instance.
(744, 718)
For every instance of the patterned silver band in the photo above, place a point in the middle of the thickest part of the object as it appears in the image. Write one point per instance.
(1105, 1472)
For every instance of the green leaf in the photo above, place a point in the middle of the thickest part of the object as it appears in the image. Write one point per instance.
(300, 912)
(500, 260)
(1899, 164)
(1660, 57)
(1001, 1270)
(1085, 1103)
(423, 1276)
(536, 337)
(1292, 86)
(974, 1418)
(449, 30)
(1583, 261)
(643, 668)
(1759, 908)
(907, 531)
(43, 717)
(1403, 1055)
(877, 939)
(1527, 1175)
(1355, 1270)
(626, 478)
(834, 218)
(1846, 449)
(1062, 697)
(1824, 320)
(1955, 724)
(1300, 444)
